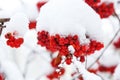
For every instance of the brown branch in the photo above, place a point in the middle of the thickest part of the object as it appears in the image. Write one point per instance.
(2, 21)
(108, 43)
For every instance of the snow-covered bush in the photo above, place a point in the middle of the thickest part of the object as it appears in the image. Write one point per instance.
(59, 40)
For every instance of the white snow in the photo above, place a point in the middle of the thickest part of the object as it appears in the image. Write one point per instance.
(11, 70)
(18, 23)
(60, 16)
(9, 8)
(30, 9)
(10, 5)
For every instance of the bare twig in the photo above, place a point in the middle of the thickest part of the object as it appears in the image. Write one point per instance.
(2, 21)
(108, 43)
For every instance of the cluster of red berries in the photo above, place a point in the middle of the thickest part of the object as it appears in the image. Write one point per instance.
(102, 68)
(56, 74)
(32, 24)
(12, 41)
(40, 4)
(117, 43)
(110, 69)
(104, 9)
(61, 44)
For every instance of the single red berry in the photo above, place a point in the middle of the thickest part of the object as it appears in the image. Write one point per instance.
(40, 4)
(68, 61)
(20, 40)
(61, 41)
(56, 61)
(32, 24)
(82, 59)
(117, 43)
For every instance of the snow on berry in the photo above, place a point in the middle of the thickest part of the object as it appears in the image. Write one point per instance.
(61, 17)
(57, 33)
(18, 23)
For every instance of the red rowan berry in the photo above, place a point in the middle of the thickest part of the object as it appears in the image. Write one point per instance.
(32, 25)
